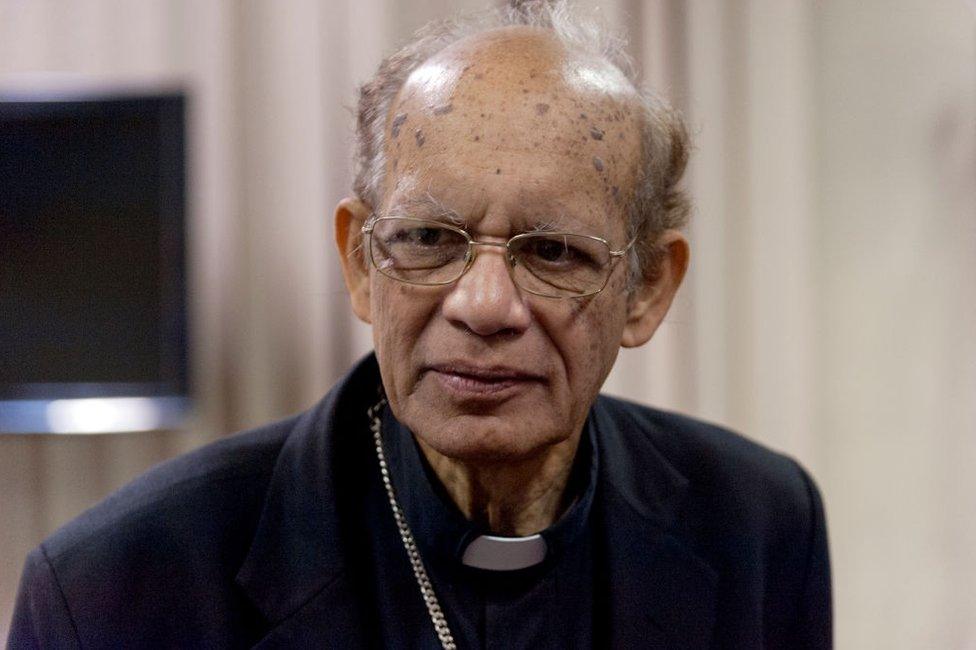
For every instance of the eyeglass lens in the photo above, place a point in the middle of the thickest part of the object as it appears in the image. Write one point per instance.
(552, 264)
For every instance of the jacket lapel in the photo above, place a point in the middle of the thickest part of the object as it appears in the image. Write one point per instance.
(661, 593)
(294, 569)
(329, 619)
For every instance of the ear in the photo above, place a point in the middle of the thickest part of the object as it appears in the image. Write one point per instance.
(350, 215)
(650, 301)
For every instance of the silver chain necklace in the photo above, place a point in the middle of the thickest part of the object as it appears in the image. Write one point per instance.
(419, 572)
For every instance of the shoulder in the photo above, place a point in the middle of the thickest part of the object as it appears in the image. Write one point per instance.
(168, 543)
(165, 556)
(736, 477)
(205, 505)
(750, 513)
(191, 494)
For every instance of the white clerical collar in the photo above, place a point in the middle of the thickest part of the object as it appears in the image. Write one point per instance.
(504, 553)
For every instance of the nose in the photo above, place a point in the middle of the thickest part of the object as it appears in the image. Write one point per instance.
(484, 300)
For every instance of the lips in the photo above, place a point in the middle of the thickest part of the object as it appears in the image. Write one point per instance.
(468, 380)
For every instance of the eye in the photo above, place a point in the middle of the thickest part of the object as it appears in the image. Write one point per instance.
(427, 236)
(412, 245)
(554, 251)
(422, 236)
(547, 250)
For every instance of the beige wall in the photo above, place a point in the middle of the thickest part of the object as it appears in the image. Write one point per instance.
(831, 307)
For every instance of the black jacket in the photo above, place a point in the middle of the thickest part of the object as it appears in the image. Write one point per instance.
(710, 541)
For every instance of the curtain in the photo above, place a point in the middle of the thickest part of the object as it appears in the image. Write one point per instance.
(829, 312)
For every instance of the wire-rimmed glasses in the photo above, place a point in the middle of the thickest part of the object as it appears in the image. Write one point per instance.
(549, 264)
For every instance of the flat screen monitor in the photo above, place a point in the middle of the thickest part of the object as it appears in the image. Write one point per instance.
(93, 318)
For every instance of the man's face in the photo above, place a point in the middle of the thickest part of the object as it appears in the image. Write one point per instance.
(504, 134)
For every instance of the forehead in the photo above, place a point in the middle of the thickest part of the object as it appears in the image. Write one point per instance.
(513, 116)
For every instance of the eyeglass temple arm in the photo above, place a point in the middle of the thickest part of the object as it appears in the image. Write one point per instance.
(623, 251)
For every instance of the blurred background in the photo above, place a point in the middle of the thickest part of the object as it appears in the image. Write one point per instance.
(830, 311)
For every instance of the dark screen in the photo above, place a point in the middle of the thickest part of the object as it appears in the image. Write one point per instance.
(91, 245)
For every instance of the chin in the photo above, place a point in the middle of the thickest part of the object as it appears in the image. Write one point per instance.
(483, 442)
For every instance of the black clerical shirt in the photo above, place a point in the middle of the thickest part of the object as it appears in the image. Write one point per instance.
(549, 605)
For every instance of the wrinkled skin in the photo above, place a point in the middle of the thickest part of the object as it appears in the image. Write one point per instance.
(509, 132)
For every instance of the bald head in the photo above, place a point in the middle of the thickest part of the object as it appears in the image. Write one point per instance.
(513, 53)
(488, 99)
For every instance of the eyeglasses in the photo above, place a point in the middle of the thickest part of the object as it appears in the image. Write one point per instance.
(549, 264)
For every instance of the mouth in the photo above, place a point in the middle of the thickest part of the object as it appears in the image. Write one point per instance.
(471, 381)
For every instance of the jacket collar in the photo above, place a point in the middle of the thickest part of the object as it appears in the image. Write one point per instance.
(661, 594)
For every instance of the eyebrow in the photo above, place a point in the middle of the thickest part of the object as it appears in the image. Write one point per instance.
(547, 225)
(427, 206)
(430, 207)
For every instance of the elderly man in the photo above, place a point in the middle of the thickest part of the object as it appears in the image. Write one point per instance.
(515, 222)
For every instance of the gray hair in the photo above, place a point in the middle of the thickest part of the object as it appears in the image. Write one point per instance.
(657, 203)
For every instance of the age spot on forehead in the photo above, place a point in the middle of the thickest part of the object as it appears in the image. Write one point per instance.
(397, 123)
(596, 133)
(541, 109)
(419, 137)
(598, 163)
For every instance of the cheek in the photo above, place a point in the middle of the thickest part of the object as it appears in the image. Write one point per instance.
(401, 316)
(392, 340)
(602, 344)
(590, 341)
(391, 322)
